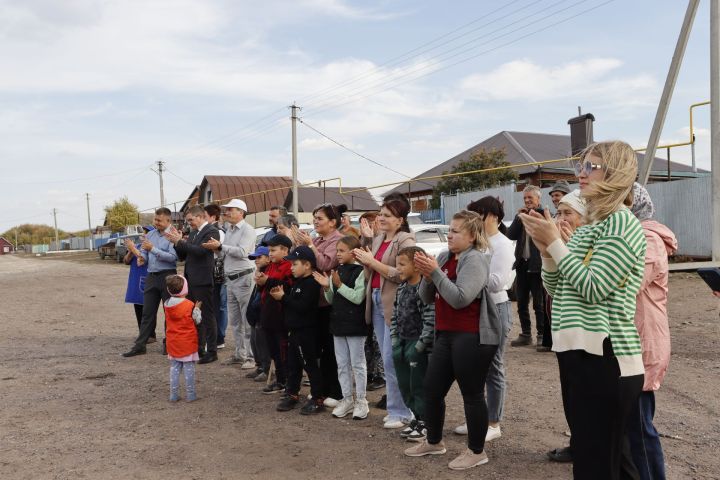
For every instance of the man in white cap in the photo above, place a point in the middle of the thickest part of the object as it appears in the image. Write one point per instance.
(239, 242)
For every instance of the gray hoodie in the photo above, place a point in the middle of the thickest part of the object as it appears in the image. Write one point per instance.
(473, 270)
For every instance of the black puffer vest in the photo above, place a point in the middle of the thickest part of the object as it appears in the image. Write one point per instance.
(346, 318)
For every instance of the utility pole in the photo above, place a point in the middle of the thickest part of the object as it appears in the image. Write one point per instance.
(160, 164)
(646, 166)
(715, 123)
(57, 237)
(92, 244)
(293, 119)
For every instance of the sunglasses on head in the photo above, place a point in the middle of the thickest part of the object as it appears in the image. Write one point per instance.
(586, 166)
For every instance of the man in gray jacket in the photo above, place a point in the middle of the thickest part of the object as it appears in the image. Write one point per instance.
(238, 244)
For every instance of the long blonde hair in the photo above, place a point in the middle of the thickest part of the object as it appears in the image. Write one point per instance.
(473, 224)
(606, 196)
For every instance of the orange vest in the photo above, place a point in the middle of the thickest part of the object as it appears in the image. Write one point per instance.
(182, 337)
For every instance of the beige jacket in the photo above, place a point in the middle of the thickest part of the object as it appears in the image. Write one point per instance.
(389, 283)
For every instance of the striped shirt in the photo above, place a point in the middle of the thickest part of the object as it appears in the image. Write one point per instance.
(594, 280)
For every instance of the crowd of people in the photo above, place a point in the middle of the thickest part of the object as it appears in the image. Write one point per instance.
(358, 309)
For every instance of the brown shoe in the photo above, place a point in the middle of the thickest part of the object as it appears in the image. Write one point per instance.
(425, 448)
(468, 459)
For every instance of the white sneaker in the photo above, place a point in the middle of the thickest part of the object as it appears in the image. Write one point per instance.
(361, 410)
(386, 418)
(394, 423)
(493, 433)
(343, 407)
(461, 430)
(249, 364)
(221, 346)
(331, 402)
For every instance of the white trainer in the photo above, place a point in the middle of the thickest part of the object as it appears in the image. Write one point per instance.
(248, 365)
(361, 410)
(331, 402)
(461, 429)
(493, 433)
(394, 423)
(343, 407)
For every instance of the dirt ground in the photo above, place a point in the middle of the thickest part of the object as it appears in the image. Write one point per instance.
(72, 407)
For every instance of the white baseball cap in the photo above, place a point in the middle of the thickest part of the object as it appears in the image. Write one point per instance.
(236, 203)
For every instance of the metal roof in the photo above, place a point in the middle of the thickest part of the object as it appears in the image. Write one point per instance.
(259, 193)
(522, 147)
(311, 197)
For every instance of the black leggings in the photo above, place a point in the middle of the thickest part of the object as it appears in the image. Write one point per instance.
(458, 356)
(277, 345)
(597, 403)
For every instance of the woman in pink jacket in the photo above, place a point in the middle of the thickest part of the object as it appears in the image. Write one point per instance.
(651, 321)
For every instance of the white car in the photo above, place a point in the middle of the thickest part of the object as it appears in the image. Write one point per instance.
(430, 237)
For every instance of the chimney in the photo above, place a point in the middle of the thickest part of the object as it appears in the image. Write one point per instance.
(581, 132)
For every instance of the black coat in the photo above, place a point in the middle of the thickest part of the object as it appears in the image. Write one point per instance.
(346, 318)
(516, 232)
(199, 261)
(300, 303)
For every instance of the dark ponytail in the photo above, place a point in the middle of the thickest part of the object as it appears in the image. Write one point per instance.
(490, 205)
(399, 206)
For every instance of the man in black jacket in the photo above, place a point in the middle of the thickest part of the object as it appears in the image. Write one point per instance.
(199, 267)
(528, 266)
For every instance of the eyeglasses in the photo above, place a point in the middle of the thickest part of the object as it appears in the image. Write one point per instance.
(586, 167)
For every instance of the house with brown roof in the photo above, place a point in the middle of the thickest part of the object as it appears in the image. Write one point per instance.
(6, 246)
(525, 147)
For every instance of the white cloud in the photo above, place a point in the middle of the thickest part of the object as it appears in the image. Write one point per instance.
(597, 80)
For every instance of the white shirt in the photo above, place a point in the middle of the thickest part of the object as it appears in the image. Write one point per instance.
(501, 271)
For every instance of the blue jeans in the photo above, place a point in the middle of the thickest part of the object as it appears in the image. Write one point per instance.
(645, 445)
(496, 375)
(220, 293)
(396, 408)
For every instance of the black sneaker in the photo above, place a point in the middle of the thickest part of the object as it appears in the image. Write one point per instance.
(273, 388)
(418, 434)
(312, 407)
(376, 385)
(134, 352)
(254, 373)
(405, 433)
(287, 403)
(382, 403)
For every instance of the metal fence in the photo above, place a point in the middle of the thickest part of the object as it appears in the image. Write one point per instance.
(684, 206)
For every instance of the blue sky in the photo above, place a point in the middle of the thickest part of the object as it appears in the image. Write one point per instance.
(93, 92)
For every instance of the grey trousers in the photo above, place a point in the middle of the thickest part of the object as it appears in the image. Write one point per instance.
(238, 298)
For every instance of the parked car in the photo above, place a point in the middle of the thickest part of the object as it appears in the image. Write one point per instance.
(121, 250)
(430, 237)
(108, 249)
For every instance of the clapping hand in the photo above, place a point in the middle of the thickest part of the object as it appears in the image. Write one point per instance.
(277, 292)
(322, 279)
(541, 229)
(173, 235)
(301, 238)
(336, 279)
(261, 279)
(364, 255)
(565, 230)
(426, 264)
(365, 228)
(147, 245)
(212, 244)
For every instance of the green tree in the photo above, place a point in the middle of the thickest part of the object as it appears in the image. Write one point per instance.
(480, 159)
(31, 234)
(121, 214)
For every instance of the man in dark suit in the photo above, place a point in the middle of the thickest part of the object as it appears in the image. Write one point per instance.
(199, 268)
(528, 266)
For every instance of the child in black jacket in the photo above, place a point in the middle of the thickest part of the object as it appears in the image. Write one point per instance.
(300, 307)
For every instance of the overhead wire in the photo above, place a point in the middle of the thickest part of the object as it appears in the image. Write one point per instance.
(438, 67)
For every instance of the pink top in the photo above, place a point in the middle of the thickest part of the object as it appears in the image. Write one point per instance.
(326, 256)
(651, 317)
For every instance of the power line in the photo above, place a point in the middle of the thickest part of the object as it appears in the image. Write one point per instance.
(466, 59)
(353, 151)
(400, 75)
(179, 177)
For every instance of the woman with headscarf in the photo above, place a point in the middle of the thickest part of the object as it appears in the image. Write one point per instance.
(651, 321)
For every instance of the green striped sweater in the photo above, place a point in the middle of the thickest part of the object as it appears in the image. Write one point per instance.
(593, 281)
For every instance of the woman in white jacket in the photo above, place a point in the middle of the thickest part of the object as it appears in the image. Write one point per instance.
(501, 277)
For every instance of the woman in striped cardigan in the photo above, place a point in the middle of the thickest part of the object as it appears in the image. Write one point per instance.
(594, 280)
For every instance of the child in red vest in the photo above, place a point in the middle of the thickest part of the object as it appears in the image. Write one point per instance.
(181, 316)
